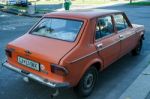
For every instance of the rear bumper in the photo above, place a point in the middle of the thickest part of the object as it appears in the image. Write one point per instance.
(37, 78)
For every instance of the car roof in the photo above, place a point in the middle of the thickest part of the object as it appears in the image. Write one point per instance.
(86, 14)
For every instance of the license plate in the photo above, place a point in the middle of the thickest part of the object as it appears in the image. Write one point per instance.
(29, 63)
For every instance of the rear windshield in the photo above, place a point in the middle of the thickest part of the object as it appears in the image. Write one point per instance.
(63, 29)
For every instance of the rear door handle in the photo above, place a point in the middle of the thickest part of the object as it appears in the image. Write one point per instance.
(121, 36)
(99, 45)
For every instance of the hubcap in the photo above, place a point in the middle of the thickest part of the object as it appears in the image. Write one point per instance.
(88, 81)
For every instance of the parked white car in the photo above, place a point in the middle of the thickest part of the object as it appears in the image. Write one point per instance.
(11, 2)
(19, 2)
(22, 2)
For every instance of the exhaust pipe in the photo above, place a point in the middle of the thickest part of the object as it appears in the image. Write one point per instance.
(26, 79)
(56, 93)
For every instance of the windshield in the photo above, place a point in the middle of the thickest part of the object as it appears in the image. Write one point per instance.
(62, 29)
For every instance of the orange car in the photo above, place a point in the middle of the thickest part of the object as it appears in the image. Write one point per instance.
(67, 49)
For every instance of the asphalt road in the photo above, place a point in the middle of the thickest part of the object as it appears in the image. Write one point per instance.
(112, 82)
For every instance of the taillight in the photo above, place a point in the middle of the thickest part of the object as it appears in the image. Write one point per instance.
(9, 52)
(59, 70)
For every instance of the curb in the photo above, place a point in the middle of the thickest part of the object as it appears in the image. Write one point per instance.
(20, 13)
(1, 6)
(140, 88)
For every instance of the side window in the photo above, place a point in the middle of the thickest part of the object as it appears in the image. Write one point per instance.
(120, 22)
(104, 27)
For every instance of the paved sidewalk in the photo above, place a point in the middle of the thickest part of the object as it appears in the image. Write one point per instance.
(140, 88)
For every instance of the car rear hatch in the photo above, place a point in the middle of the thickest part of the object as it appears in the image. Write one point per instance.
(40, 52)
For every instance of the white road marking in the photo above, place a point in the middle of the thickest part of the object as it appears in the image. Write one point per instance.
(3, 15)
(8, 28)
(7, 24)
(12, 25)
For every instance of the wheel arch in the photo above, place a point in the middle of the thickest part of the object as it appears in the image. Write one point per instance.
(97, 63)
(142, 35)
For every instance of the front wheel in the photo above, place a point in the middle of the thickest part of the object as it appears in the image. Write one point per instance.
(87, 82)
(138, 48)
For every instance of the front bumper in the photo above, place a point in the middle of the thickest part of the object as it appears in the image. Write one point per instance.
(37, 78)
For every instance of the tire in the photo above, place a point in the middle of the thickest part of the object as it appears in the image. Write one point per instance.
(137, 50)
(87, 83)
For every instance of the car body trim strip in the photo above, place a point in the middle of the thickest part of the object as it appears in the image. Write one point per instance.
(100, 49)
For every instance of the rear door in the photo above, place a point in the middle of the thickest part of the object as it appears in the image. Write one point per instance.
(107, 41)
(125, 32)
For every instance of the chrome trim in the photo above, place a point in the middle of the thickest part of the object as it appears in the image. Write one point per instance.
(37, 78)
(121, 36)
(107, 36)
(83, 57)
(100, 49)
(27, 52)
(125, 37)
(109, 45)
(99, 45)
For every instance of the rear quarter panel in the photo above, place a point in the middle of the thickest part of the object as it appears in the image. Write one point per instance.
(82, 56)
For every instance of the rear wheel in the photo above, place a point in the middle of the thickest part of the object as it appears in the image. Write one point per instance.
(138, 48)
(87, 82)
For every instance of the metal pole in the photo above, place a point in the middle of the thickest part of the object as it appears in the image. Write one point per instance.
(63, 1)
(130, 1)
(35, 6)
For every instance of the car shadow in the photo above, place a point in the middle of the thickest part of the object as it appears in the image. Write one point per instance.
(111, 83)
(112, 78)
